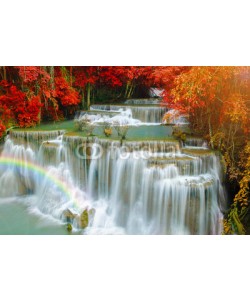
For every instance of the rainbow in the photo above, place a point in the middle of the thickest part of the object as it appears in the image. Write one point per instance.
(62, 186)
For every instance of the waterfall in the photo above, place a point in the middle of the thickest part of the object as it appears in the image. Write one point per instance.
(43, 172)
(133, 186)
(195, 142)
(150, 192)
(16, 181)
(34, 138)
(150, 101)
(148, 114)
(121, 117)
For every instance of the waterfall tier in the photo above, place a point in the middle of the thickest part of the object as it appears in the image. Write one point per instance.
(145, 114)
(144, 183)
(135, 187)
(150, 101)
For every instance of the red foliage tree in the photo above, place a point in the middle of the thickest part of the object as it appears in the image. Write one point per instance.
(66, 95)
(2, 129)
(18, 108)
(51, 87)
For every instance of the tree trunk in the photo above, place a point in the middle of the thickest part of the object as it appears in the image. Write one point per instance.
(83, 99)
(40, 113)
(132, 90)
(70, 75)
(210, 132)
(129, 91)
(126, 90)
(52, 83)
(4, 73)
(88, 95)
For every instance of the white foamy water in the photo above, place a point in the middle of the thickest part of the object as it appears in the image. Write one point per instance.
(122, 117)
(145, 114)
(137, 187)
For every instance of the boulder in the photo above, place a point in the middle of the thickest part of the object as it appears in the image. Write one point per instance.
(69, 227)
(69, 215)
(84, 219)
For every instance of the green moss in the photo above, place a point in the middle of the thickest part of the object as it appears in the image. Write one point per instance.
(64, 125)
(76, 133)
(141, 133)
(129, 105)
(84, 219)
(49, 144)
(174, 158)
(69, 227)
(100, 112)
(197, 151)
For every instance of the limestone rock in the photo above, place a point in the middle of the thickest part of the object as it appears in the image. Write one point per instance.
(69, 227)
(69, 215)
(84, 219)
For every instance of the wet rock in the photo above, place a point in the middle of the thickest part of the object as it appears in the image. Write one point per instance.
(84, 219)
(69, 215)
(69, 227)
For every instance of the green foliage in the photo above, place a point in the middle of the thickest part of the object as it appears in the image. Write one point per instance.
(85, 126)
(69, 227)
(107, 130)
(84, 219)
(179, 134)
(121, 130)
(236, 221)
(233, 222)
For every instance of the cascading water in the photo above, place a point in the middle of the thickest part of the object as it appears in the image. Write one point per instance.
(157, 190)
(146, 114)
(39, 177)
(121, 117)
(134, 187)
(150, 101)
